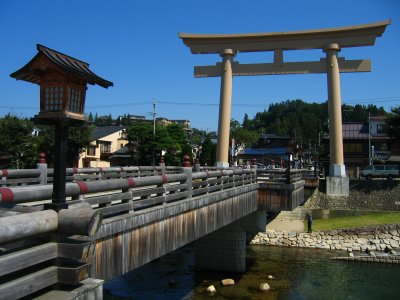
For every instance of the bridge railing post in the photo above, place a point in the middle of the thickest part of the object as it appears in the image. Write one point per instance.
(42, 166)
(254, 168)
(187, 169)
(162, 165)
(196, 167)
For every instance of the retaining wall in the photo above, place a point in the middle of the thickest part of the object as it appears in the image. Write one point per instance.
(374, 238)
(383, 195)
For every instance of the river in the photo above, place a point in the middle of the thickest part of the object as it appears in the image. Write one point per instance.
(299, 273)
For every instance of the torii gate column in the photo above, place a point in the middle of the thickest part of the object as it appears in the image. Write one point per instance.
(337, 183)
(225, 108)
(337, 168)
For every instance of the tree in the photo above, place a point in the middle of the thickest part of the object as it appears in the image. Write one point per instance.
(170, 139)
(79, 139)
(243, 137)
(90, 118)
(394, 123)
(22, 148)
(17, 144)
(208, 152)
(246, 122)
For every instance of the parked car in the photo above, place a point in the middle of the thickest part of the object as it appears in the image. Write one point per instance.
(382, 171)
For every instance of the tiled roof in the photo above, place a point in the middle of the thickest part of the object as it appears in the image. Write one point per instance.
(272, 151)
(102, 131)
(67, 63)
(355, 130)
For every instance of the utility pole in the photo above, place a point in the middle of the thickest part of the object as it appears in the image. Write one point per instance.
(369, 139)
(154, 132)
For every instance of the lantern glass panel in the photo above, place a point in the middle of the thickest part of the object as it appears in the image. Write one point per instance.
(75, 100)
(53, 97)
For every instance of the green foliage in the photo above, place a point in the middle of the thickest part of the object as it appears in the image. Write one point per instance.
(105, 120)
(17, 145)
(22, 149)
(242, 136)
(375, 218)
(208, 152)
(305, 121)
(79, 139)
(394, 123)
(170, 139)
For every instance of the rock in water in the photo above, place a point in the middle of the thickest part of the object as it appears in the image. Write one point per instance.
(211, 290)
(227, 282)
(264, 287)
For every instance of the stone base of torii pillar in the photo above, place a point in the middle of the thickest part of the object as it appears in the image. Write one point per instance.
(337, 183)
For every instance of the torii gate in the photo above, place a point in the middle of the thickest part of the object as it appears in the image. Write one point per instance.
(330, 40)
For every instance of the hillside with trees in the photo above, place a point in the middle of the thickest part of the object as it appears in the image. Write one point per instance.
(305, 121)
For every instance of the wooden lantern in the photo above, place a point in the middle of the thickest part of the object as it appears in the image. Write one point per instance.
(62, 81)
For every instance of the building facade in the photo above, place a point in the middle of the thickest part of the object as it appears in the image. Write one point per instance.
(105, 141)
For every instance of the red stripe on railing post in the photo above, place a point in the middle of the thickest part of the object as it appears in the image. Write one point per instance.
(5, 173)
(82, 187)
(75, 170)
(165, 178)
(7, 195)
(131, 182)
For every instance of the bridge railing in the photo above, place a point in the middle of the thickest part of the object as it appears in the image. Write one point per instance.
(116, 196)
(42, 175)
(210, 181)
(282, 175)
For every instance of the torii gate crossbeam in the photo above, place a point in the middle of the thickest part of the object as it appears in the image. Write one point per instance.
(330, 40)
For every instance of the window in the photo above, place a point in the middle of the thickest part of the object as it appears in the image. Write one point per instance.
(105, 148)
(380, 128)
(91, 151)
(353, 148)
(379, 168)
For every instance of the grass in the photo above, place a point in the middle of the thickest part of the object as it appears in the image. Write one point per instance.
(378, 218)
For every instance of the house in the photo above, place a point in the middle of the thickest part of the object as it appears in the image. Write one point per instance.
(184, 123)
(271, 149)
(364, 142)
(105, 141)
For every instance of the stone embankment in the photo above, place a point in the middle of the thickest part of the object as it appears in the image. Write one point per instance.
(382, 195)
(374, 238)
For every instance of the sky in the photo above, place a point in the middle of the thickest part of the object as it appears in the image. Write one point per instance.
(135, 45)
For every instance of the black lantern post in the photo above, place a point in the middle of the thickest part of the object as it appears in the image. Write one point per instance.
(63, 80)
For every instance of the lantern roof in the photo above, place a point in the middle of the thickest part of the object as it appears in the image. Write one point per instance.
(32, 71)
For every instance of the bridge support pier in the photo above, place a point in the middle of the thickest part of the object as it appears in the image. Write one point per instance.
(225, 249)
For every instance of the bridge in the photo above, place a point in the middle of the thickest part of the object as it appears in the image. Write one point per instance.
(122, 218)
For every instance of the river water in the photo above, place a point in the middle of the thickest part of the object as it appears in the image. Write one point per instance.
(299, 273)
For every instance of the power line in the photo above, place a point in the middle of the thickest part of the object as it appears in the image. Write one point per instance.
(190, 103)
